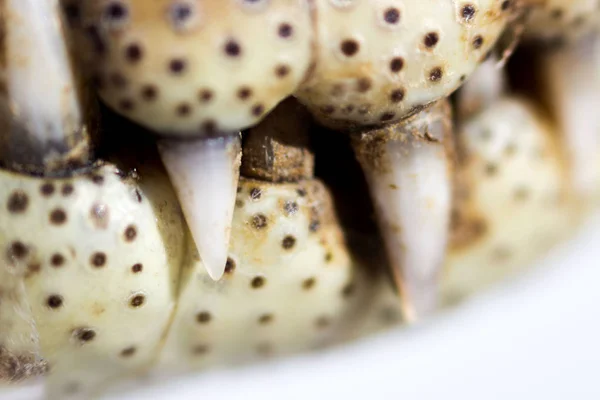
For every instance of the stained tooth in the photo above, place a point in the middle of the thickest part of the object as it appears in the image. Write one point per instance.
(571, 81)
(42, 115)
(205, 175)
(408, 169)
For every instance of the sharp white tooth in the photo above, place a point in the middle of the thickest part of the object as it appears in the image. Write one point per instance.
(408, 170)
(571, 79)
(205, 175)
(40, 108)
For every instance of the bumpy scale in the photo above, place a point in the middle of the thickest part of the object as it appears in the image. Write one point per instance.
(289, 281)
(379, 63)
(196, 70)
(102, 256)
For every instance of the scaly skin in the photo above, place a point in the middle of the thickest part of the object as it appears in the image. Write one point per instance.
(144, 303)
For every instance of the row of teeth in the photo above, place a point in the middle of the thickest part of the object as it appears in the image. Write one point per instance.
(410, 166)
(406, 159)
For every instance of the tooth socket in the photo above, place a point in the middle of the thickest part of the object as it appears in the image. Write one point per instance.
(277, 149)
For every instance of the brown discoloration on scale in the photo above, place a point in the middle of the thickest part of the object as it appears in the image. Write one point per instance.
(15, 368)
(277, 150)
(370, 144)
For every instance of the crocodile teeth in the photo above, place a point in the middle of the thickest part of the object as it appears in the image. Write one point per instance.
(205, 174)
(41, 112)
(571, 81)
(407, 168)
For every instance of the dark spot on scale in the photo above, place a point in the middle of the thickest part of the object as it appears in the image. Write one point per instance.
(116, 11)
(97, 179)
(309, 283)
(477, 42)
(137, 301)
(387, 116)
(348, 290)
(491, 169)
(200, 349)
(259, 221)
(288, 242)
(468, 12)
(265, 319)
(431, 39)
(463, 78)
(244, 93)
(258, 110)
(285, 30)
(55, 301)
(281, 71)
(209, 126)
(138, 196)
(290, 208)
(327, 109)
(363, 85)
(179, 14)
(521, 194)
(239, 203)
(58, 217)
(205, 95)
(258, 282)
(203, 317)
(17, 202)
(255, 194)
(98, 260)
(391, 15)
(328, 257)
(128, 352)
(84, 334)
(17, 251)
(134, 53)
(506, 5)
(137, 268)
(322, 322)
(130, 233)
(397, 95)
(183, 110)
(232, 48)
(67, 189)
(57, 260)
(349, 47)
(47, 189)
(301, 192)
(177, 66)
(557, 13)
(314, 226)
(436, 74)
(229, 265)
(149, 92)
(396, 64)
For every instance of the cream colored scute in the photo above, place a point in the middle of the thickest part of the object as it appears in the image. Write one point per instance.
(288, 287)
(563, 18)
(387, 68)
(518, 186)
(222, 65)
(104, 256)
